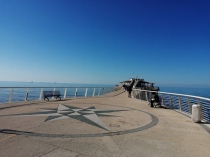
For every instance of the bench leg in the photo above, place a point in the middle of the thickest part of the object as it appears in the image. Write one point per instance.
(58, 97)
(46, 98)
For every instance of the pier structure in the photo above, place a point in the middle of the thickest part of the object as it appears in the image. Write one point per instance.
(108, 125)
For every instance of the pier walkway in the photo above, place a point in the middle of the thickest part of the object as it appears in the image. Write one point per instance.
(105, 126)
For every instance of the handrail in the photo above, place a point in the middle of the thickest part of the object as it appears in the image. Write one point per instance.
(35, 93)
(193, 96)
(181, 102)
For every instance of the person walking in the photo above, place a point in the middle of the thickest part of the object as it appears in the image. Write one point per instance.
(130, 87)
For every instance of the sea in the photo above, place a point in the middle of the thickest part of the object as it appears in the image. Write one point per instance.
(34, 93)
(19, 94)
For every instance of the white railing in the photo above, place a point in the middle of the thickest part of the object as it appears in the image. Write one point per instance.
(175, 101)
(15, 94)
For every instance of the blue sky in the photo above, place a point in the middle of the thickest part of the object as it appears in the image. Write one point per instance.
(105, 42)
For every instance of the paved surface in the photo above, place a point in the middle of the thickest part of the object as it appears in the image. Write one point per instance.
(114, 125)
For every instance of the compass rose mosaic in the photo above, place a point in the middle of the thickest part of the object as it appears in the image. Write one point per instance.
(89, 115)
(104, 122)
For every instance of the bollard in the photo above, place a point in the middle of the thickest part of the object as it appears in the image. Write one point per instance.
(196, 113)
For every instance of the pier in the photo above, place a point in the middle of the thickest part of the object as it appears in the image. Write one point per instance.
(102, 126)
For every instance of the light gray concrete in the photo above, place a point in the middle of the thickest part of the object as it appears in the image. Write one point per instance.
(136, 130)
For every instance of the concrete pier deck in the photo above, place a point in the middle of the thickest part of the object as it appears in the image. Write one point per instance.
(107, 126)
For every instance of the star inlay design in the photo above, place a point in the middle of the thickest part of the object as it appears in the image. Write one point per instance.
(89, 115)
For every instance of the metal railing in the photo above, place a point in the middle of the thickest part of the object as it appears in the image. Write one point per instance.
(16, 94)
(175, 101)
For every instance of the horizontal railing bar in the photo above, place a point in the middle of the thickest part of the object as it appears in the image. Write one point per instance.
(192, 96)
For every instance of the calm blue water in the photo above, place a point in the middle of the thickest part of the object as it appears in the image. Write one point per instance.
(34, 93)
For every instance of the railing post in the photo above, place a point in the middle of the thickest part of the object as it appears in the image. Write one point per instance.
(86, 92)
(11, 94)
(134, 93)
(171, 103)
(99, 90)
(180, 104)
(94, 91)
(198, 100)
(162, 100)
(76, 92)
(190, 107)
(40, 96)
(64, 96)
(53, 96)
(26, 97)
(146, 96)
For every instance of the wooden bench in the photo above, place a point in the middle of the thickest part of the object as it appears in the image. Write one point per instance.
(47, 94)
